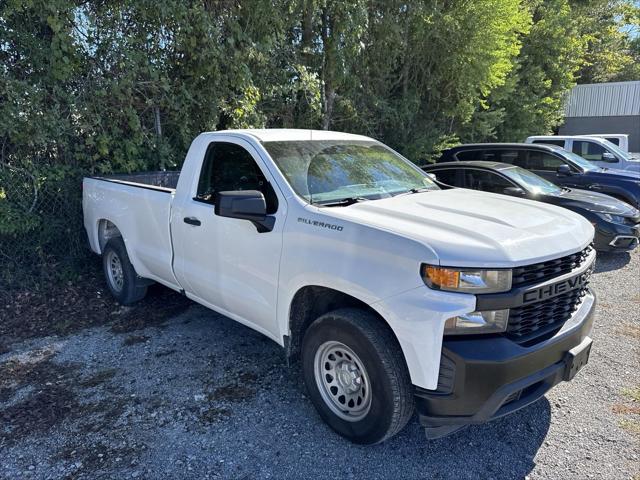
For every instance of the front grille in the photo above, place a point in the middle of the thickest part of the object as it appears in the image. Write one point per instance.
(540, 272)
(535, 322)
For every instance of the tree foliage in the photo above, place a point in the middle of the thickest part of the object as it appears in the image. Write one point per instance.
(122, 85)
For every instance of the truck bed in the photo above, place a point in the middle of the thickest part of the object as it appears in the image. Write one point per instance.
(159, 180)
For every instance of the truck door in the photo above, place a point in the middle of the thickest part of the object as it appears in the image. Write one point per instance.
(224, 262)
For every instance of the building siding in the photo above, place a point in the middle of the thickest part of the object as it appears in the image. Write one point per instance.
(616, 99)
(603, 125)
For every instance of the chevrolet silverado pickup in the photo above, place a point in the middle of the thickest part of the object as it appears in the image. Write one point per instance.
(394, 294)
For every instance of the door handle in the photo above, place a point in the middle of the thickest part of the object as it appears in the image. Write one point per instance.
(192, 221)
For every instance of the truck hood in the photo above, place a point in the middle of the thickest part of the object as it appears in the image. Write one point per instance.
(469, 228)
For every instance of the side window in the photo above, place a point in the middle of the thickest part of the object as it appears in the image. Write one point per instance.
(502, 155)
(228, 167)
(559, 143)
(588, 150)
(465, 155)
(486, 181)
(448, 177)
(614, 140)
(542, 161)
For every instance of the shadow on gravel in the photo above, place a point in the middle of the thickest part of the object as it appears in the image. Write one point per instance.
(607, 261)
(504, 448)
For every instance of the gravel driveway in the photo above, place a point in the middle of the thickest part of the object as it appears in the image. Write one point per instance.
(199, 396)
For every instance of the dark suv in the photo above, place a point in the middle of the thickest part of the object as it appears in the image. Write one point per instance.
(555, 164)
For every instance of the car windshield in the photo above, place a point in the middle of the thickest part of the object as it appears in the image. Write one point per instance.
(328, 171)
(531, 182)
(580, 161)
(612, 147)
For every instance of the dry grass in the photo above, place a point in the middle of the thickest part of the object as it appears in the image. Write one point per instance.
(631, 426)
(632, 331)
(626, 409)
(632, 393)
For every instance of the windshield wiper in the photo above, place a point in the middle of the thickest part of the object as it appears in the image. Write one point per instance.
(343, 202)
(414, 190)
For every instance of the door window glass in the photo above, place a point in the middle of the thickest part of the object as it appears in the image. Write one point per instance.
(588, 150)
(542, 161)
(448, 177)
(485, 181)
(229, 167)
(502, 155)
(548, 141)
(469, 155)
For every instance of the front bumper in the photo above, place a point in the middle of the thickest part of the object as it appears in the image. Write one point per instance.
(616, 238)
(493, 376)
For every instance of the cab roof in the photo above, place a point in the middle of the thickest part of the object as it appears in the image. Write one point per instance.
(291, 134)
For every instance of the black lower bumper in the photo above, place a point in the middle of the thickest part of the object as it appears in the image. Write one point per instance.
(492, 377)
(616, 238)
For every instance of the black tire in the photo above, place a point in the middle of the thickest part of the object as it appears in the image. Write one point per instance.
(132, 288)
(391, 402)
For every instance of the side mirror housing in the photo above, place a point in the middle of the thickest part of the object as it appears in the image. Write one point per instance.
(245, 205)
(609, 157)
(514, 191)
(564, 170)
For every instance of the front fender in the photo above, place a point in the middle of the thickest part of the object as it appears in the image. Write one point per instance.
(417, 318)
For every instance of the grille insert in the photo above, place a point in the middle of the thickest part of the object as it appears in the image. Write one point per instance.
(541, 272)
(535, 322)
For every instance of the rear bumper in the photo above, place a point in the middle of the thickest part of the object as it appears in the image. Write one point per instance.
(493, 376)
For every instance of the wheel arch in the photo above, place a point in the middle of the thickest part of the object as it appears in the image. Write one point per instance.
(106, 230)
(312, 301)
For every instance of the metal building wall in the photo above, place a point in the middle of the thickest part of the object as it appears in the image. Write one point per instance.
(616, 99)
(585, 125)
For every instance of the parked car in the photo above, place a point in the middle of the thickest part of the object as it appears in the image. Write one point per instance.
(598, 151)
(617, 223)
(556, 165)
(394, 293)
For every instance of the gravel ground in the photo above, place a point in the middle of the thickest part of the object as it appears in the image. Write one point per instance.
(197, 395)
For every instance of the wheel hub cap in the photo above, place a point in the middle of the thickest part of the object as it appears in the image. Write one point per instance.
(342, 381)
(114, 270)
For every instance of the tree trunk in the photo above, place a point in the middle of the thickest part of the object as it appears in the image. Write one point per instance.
(328, 68)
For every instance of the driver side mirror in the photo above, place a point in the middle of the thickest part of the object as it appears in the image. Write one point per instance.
(245, 205)
(564, 170)
(609, 157)
(514, 191)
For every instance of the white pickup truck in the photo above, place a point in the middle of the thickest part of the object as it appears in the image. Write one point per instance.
(394, 293)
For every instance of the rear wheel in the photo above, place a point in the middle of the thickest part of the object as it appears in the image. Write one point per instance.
(356, 376)
(122, 280)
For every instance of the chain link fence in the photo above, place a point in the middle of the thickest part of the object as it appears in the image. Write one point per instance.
(42, 237)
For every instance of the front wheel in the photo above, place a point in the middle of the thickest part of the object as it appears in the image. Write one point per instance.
(356, 376)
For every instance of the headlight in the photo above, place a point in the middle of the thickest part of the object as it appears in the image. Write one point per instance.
(466, 280)
(492, 321)
(613, 218)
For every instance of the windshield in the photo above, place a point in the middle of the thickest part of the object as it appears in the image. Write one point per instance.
(327, 171)
(582, 162)
(531, 182)
(612, 147)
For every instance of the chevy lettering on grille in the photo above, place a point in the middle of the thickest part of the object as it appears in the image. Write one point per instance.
(549, 291)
